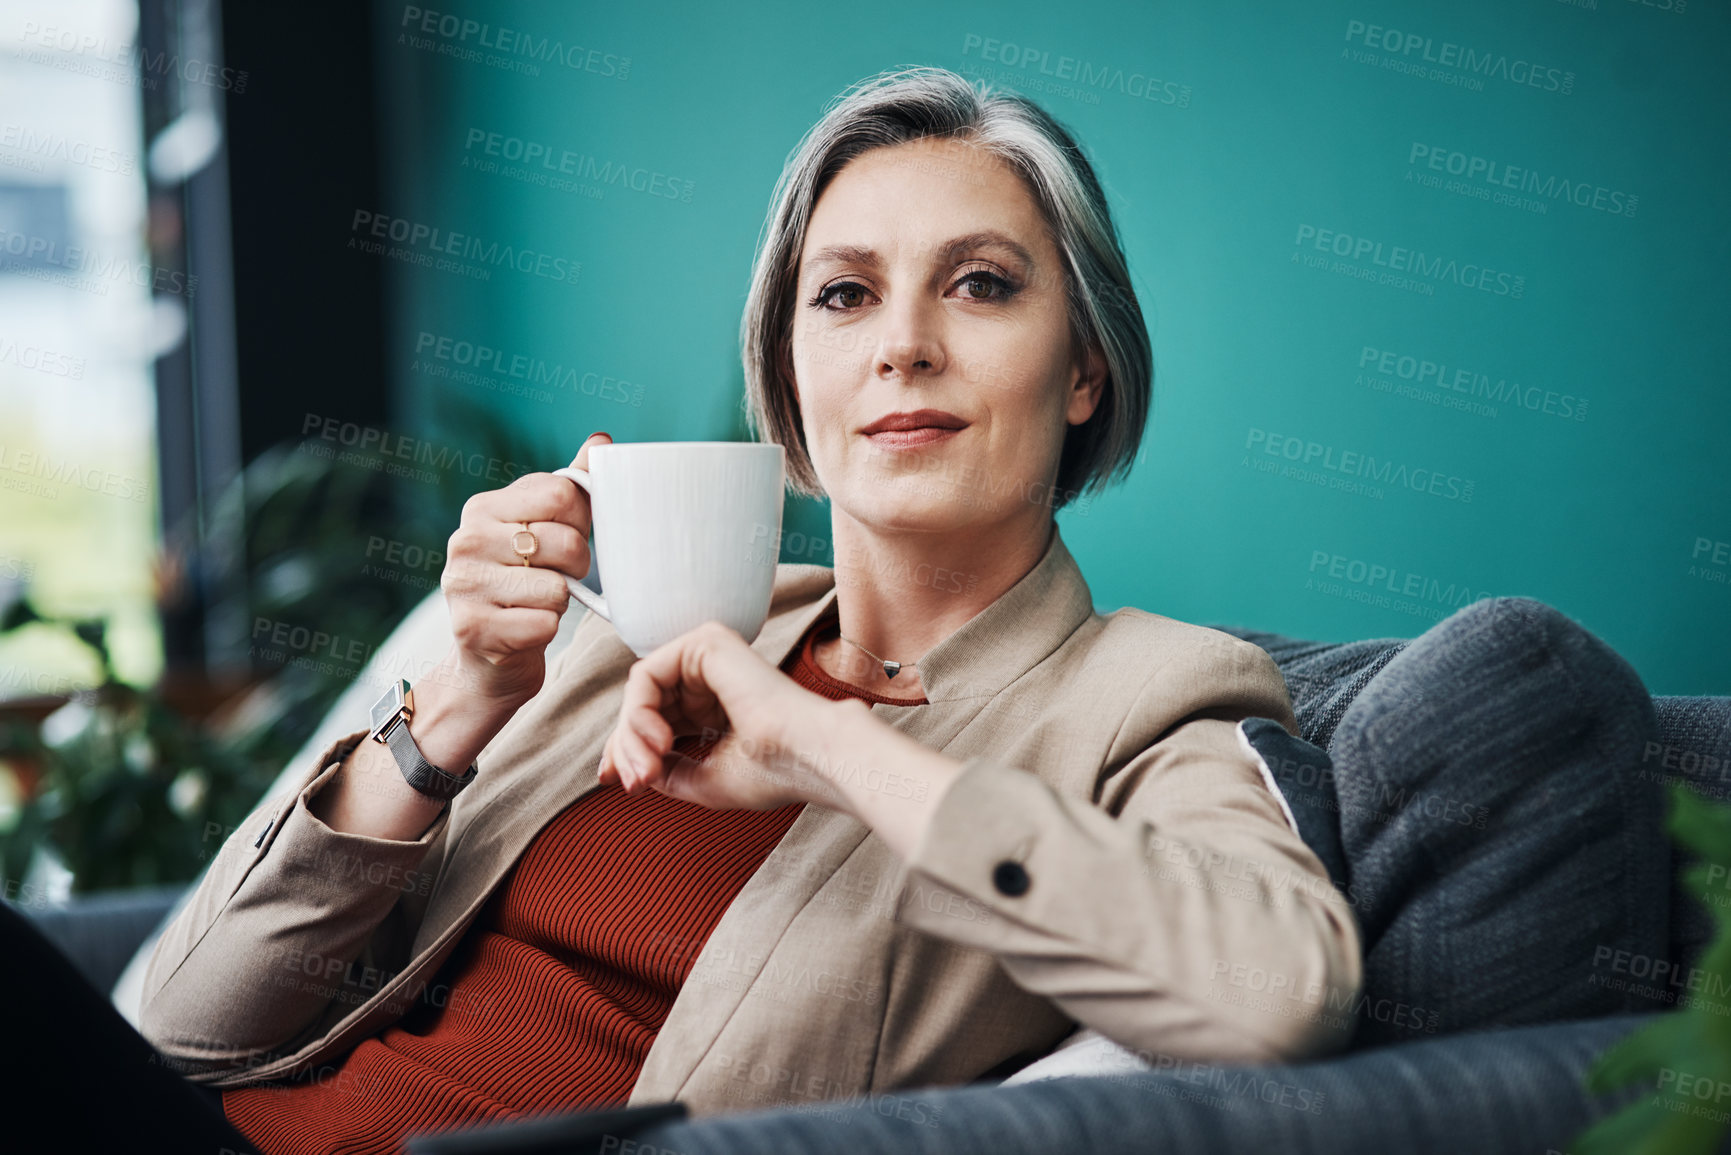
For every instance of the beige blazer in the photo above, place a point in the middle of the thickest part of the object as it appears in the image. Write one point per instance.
(1170, 903)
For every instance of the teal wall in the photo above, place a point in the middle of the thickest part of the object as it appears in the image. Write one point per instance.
(1579, 424)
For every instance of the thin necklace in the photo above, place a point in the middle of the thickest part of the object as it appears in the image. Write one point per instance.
(891, 669)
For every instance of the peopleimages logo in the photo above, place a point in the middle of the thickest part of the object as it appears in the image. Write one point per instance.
(93, 478)
(1425, 374)
(43, 253)
(1399, 259)
(86, 53)
(1350, 469)
(66, 149)
(1415, 48)
(1392, 579)
(372, 446)
(524, 367)
(1479, 170)
(1100, 77)
(414, 235)
(41, 360)
(545, 162)
(465, 38)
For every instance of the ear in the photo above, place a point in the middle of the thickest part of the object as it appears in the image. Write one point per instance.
(1087, 384)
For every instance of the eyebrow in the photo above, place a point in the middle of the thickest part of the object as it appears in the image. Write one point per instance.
(864, 255)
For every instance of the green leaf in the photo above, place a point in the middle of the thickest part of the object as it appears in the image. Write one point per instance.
(19, 613)
(1687, 1050)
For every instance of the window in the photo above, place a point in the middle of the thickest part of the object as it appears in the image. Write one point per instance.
(79, 336)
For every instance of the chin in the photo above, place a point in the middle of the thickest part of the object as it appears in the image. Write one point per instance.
(913, 502)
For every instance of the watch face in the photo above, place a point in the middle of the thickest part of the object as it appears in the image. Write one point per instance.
(389, 705)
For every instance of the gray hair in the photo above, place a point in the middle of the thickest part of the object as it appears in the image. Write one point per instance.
(912, 104)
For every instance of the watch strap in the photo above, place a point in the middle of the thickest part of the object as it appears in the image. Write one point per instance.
(419, 773)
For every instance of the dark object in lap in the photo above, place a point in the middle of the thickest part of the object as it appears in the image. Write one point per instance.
(65, 1041)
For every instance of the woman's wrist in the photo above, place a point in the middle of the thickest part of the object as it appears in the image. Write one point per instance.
(451, 726)
(453, 718)
(369, 796)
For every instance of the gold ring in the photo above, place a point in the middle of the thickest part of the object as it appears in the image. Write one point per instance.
(525, 544)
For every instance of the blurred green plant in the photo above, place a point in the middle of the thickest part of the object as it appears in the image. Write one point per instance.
(1688, 1050)
(123, 778)
(122, 788)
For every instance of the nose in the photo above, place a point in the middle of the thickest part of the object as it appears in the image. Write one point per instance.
(911, 344)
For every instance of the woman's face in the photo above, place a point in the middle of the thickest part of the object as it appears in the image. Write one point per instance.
(929, 281)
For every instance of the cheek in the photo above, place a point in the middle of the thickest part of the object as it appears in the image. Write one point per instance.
(816, 406)
(822, 419)
(1032, 401)
(816, 379)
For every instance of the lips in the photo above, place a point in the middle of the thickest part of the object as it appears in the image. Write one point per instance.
(918, 419)
(913, 430)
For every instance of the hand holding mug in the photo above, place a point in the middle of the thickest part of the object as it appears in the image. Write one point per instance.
(504, 613)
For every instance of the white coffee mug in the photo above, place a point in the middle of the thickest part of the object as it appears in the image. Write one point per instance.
(685, 531)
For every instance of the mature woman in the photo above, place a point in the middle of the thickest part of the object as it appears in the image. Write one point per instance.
(938, 814)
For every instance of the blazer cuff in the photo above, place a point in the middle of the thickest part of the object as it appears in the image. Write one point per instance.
(980, 859)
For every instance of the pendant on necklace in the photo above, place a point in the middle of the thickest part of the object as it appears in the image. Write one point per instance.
(891, 669)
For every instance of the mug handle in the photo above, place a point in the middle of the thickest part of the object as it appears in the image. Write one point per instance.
(581, 592)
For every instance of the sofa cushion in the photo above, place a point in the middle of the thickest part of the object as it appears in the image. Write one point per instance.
(1304, 777)
(1322, 677)
(1502, 839)
(100, 932)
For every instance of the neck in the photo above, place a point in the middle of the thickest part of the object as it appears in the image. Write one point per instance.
(900, 593)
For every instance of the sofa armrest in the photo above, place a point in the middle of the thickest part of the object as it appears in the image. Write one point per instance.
(1503, 1092)
(99, 932)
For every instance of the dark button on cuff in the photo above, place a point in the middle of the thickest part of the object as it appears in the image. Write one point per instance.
(1010, 879)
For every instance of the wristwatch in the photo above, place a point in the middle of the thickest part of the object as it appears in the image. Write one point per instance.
(391, 714)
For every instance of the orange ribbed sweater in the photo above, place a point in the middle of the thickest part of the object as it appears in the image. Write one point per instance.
(560, 985)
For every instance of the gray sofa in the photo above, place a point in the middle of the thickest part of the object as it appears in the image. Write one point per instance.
(1490, 795)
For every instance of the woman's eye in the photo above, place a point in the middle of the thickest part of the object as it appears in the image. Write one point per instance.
(983, 286)
(850, 294)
